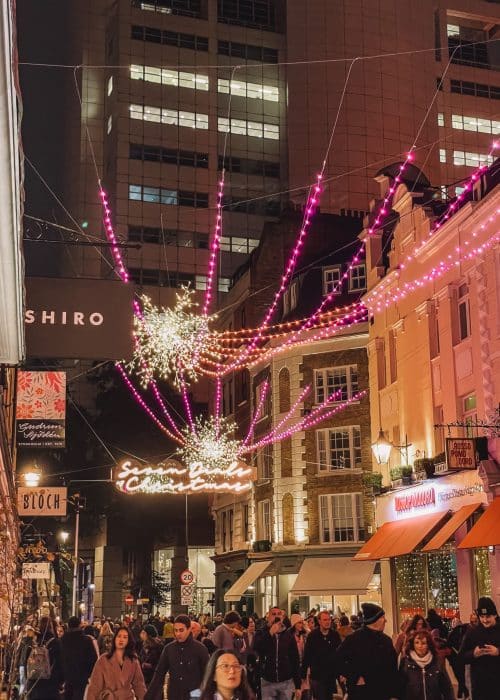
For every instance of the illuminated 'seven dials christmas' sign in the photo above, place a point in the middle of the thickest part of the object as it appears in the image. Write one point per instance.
(173, 477)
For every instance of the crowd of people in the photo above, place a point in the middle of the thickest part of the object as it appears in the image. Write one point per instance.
(230, 657)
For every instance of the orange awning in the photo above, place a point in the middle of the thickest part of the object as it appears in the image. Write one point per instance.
(450, 527)
(396, 538)
(486, 532)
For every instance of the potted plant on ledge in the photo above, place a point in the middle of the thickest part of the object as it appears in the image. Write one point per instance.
(396, 477)
(407, 475)
(373, 480)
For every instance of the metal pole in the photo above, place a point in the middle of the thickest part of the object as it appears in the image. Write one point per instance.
(75, 556)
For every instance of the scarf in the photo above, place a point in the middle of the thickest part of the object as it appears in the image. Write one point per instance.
(421, 661)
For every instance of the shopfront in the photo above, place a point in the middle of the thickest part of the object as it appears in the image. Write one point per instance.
(417, 543)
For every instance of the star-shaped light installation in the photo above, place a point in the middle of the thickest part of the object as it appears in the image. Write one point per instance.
(211, 446)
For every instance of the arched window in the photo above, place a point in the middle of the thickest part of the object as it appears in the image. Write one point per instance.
(284, 390)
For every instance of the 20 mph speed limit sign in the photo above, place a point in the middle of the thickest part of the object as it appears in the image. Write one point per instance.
(187, 577)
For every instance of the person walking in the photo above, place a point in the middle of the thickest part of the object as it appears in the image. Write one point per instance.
(225, 678)
(320, 658)
(423, 675)
(105, 638)
(455, 640)
(481, 649)
(78, 657)
(228, 635)
(43, 668)
(367, 659)
(150, 652)
(184, 660)
(117, 675)
(278, 659)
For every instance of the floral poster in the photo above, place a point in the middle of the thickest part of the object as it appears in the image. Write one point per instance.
(41, 409)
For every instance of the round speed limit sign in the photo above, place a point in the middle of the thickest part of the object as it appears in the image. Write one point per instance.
(187, 577)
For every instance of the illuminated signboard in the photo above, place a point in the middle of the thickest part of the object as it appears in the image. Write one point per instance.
(461, 453)
(172, 476)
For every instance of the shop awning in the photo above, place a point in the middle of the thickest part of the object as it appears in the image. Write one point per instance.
(399, 537)
(248, 577)
(486, 532)
(332, 576)
(450, 527)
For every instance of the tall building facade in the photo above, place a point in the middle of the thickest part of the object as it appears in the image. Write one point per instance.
(170, 86)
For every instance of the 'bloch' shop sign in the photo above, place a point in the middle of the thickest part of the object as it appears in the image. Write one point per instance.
(461, 453)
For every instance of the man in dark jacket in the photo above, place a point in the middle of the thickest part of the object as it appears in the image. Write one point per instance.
(320, 656)
(481, 649)
(185, 660)
(278, 659)
(78, 656)
(368, 660)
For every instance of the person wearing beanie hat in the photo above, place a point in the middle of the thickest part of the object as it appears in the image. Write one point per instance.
(149, 652)
(367, 659)
(481, 649)
(320, 657)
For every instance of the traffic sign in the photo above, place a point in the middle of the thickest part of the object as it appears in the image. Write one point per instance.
(129, 599)
(187, 594)
(187, 577)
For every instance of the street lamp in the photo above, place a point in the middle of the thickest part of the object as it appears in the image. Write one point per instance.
(63, 536)
(31, 476)
(381, 448)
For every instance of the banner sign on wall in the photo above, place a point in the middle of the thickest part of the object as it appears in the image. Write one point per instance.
(461, 453)
(78, 318)
(50, 500)
(41, 409)
(38, 570)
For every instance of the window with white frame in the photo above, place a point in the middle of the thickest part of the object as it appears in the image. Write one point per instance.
(290, 298)
(341, 518)
(440, 119)
(264, 520)
(479, 124)
(472, 160)
(442, 155)
(332, 280)
(469, 415)
(464, 329)
(341, 381)
(174, 117)
(164, 76)
(259, 130)
(357, 278)
(265, 462)
(339, 448)
(253, 91)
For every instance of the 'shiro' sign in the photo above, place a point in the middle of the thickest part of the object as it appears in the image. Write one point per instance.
(52, 500)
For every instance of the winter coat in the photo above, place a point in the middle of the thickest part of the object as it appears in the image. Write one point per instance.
(428, 683)
(109, 681)
(484, 670)
(369, 655)
(185, 662)
(278, 656)
(223, 638)
(320, 655)
(47, 689)
(78, 657)
(149, 657)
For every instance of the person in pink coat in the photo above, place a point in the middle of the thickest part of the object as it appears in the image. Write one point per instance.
(117, 675)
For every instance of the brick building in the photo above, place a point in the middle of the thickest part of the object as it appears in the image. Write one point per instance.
(309, 509)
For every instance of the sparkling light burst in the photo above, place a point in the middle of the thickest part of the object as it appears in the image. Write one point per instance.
(211, 446)
(168, 340)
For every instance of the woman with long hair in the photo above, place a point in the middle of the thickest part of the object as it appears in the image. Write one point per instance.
(39, 687)
(422, 673)
(105, 638)
(117, 675)
(225, 678)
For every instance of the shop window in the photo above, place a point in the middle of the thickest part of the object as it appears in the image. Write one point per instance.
(264, 520)
(336, 384)
(442, 591)
(341, 518)
(338, 448)
(332, 280)
(288, 519)
(284, 390)
(482, 572)
(410, 585)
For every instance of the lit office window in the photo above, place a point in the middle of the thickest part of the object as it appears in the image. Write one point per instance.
(479, 124)
(164, 76)
(442, 155)
(440, 119)
(246, 128)
(473, 160)
(253, 91)
(173, 117)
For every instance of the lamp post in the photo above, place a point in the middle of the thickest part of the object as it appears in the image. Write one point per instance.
(78, 504)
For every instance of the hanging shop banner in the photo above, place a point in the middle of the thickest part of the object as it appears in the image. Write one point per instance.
(41, 409)
(461, 453)
(51, 500)
(38, 570)
(78, 318)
